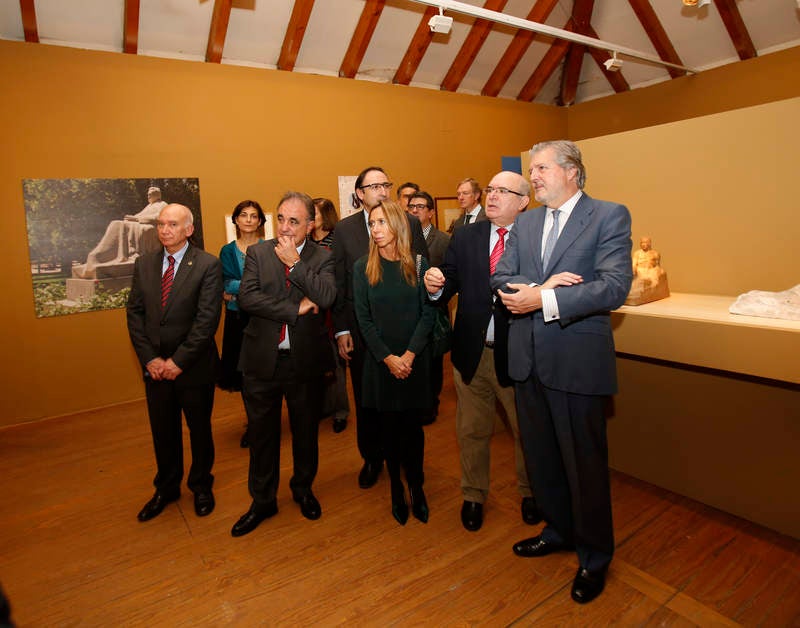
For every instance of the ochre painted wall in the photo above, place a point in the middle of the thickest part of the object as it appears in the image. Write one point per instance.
(753, 82)
(246, 133)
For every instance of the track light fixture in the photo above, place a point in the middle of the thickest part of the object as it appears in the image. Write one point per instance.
(440, 23)
(613, 64)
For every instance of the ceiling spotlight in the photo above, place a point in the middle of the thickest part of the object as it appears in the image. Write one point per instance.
(613, 64)
(440, 23)
(696, 3)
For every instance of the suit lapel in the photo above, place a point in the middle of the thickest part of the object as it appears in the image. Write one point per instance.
(535, 235)
(578, 221)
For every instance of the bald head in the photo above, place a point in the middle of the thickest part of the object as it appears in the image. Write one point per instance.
(175, 225)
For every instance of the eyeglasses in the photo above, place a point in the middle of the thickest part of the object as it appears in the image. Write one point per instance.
(376, 187)
(418, 206)
(501, 191)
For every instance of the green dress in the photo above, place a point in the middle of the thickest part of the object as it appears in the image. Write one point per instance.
(393, 317)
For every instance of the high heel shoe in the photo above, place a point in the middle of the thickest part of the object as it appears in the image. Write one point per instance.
(419, 505)
(399, 506)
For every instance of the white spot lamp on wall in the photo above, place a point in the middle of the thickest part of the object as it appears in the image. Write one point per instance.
(613, 64)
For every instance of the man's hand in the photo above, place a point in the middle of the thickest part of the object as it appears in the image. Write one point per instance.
(286, 250)
(155, 367)
(433, 279)
(345, 345)
(397, 366)
(306, 306)
(525, 299)
(171, 370)
(562, 279)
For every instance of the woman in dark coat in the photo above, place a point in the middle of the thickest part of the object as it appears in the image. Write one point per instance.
(395, 318)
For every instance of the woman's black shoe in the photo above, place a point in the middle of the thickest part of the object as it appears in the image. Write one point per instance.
(399, 506)
(419, 505)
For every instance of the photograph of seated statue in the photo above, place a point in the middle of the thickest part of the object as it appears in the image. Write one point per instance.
(84, 236)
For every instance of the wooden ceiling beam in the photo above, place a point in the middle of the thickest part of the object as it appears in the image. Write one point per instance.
(517, 48)
(546, 67)
(470, 48)
(581, 18)
(361, 38)
(218, 30)
(416, 49)
(131, 27)
(658, 36)
(293, 39)
(616, 79)
(733, 21)
(29, 26)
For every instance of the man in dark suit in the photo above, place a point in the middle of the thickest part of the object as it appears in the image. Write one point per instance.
(173, 312)
(480, 346)
(287, 285)
(350, 242)
(468, 195)
(421, 205)
(566, 266)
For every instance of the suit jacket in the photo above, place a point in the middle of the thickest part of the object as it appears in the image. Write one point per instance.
(350, 242)
(466, 272)
(437, 242)
(574, 354)
(263, 295)
(459, 222)
(184, 329)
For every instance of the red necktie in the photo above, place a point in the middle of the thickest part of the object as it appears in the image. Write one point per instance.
(497, 251)
(167, 279)
(283, 327)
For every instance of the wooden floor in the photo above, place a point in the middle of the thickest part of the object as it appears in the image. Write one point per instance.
(72, 552)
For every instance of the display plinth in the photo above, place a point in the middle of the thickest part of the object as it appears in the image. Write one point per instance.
(697, 329)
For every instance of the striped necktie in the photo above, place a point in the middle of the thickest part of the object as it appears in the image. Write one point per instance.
(550, 244)
(497, 251)
(167, 279)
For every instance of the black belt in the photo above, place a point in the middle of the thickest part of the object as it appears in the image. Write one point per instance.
(489, 344)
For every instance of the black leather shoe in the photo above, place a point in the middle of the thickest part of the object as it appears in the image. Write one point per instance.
(249, 521)
(536, 546)
(472, 515)
(154, 507)
(588, 585)
(244, 443)
(204, 503)
(369, 474)
(530, 511)
(339, 425)
(309, 506)
(419, 505)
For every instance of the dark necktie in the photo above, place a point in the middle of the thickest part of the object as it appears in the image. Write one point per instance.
(288, 283)
(497, 251)
(467, 219)
(167, 279)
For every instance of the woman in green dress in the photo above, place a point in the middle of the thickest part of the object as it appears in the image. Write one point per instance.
(395, 319)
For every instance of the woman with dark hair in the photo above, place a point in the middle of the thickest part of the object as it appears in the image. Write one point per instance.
(395, 318)
(325, 219)
(249, 219)
(336, 402)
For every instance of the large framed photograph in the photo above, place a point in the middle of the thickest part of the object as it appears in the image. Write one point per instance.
(84, 236)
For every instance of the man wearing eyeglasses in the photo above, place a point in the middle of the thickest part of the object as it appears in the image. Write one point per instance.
(480, 344)
(351, 242)
(468, 194)
(566, 266)
(405, 192)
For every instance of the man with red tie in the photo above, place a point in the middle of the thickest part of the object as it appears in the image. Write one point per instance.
(480, 343)
(287, 285)
(173, 312)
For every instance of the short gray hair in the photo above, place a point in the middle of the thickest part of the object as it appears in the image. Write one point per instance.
(568, 155)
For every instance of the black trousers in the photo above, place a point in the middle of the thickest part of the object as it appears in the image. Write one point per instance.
(165, 401)
(564, 439)
(262, 401)
(368, 426)
(404, 444)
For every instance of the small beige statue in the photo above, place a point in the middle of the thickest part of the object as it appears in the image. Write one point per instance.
(649, 279)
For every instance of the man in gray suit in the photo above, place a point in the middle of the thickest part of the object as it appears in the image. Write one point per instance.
(421, 205)
(567, 264)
